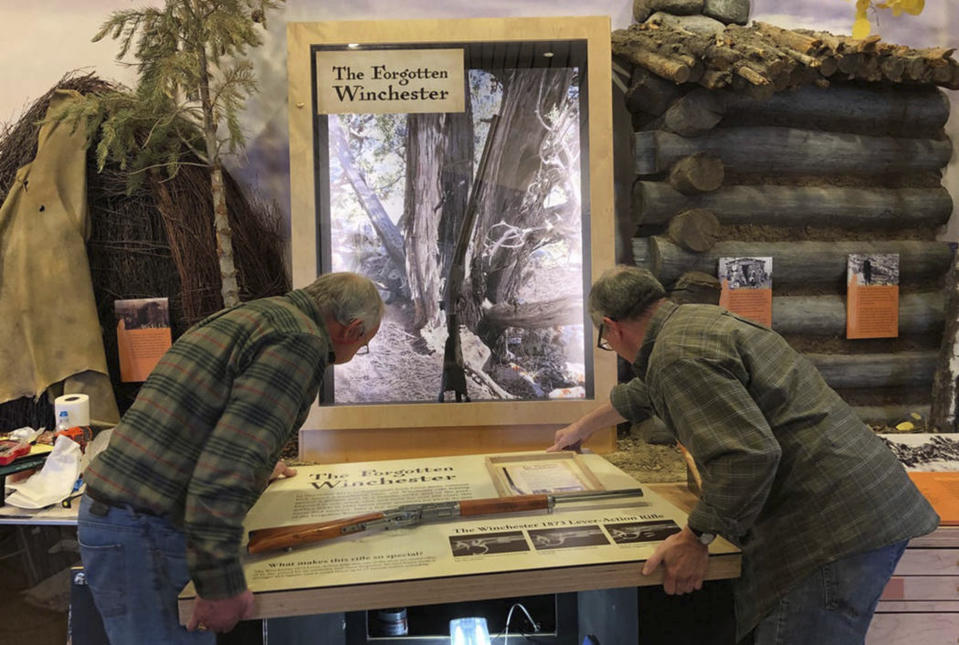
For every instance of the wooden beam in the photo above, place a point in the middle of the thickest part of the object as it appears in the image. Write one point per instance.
(861, 371)
(919, 313)
(845, 106)
(854, 208)
(793, 151)
(794, 262)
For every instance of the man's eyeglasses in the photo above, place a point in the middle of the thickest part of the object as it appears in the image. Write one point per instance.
(363, 350)
(602, 343)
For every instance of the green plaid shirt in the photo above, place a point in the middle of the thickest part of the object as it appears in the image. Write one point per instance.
(209, 424)
(790, 474)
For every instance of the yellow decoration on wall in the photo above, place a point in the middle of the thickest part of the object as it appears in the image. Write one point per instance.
(862, 27)
(913, 7)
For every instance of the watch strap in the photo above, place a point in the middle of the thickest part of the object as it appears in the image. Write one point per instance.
(705, 538)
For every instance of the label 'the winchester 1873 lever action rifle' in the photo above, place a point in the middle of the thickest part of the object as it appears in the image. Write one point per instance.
(285, 537)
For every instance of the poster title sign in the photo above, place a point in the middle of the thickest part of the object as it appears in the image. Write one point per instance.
(390, 81)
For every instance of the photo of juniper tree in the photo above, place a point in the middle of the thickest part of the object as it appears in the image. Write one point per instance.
(472, 226)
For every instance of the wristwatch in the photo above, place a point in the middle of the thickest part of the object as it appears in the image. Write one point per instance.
(704, 538)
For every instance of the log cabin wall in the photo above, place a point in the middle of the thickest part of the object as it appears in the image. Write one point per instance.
(799, 145)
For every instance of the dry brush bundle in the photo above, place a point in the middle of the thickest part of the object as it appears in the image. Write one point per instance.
(156, 241)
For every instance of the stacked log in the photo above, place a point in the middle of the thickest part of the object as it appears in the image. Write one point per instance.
(764, 58)
(654, 202)
(796, 263)
(806, 147)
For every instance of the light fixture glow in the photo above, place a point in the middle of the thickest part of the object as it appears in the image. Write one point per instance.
(548, 54)
(469, 631)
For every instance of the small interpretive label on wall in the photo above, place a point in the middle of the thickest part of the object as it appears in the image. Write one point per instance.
(747, 287)
(872, 295)
(143, 335)
(390, 81)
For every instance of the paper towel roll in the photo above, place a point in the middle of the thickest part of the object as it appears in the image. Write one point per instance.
(77, 407)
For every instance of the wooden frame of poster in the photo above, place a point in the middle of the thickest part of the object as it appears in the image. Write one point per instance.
(499, 468)
(360, 430)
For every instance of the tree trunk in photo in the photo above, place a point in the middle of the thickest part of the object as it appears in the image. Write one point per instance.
(382, 224)
(512, 221)
(537, 315)
(439, 163)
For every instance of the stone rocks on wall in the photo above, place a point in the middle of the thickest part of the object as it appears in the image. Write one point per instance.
(726, 11)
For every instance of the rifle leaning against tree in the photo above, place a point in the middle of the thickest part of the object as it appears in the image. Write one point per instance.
(454, 376)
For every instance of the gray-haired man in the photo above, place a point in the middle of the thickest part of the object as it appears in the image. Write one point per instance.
(820, 507)
(165, 501)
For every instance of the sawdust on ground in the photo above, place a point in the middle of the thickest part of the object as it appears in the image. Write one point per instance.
(648, 463)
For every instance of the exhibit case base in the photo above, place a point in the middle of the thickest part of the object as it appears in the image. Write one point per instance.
(554, 615)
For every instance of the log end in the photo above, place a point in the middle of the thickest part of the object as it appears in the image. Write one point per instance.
(695, 230)
(696, 287)
(697, 173)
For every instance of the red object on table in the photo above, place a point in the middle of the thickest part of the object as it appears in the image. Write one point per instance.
(10, 450)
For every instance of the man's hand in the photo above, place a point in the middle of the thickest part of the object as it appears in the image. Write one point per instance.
(684, 561)
(282, 471)
(569, 438)
(220, 615)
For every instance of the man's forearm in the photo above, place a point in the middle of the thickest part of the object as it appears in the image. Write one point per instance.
(602, 417)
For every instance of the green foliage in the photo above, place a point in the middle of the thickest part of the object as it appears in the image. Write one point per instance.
(192, 83)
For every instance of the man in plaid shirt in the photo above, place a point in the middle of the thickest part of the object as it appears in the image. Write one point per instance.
(821, 509)
(165, 501)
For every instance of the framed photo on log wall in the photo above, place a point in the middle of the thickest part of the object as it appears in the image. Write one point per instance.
(465, 166)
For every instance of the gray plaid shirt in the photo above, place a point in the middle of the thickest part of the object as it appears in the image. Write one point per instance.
(790, 474)
(199, 443)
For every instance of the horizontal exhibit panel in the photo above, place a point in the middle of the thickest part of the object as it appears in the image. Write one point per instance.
(655, 202)
(793, 151)
(794, 262)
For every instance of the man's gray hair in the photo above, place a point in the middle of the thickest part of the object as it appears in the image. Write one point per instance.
(623, 293)
(346, 297)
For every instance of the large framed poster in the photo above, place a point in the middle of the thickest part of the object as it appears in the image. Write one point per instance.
(465, 166)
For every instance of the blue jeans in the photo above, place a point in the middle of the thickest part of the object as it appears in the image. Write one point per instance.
(834, 605)
(136, 566)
